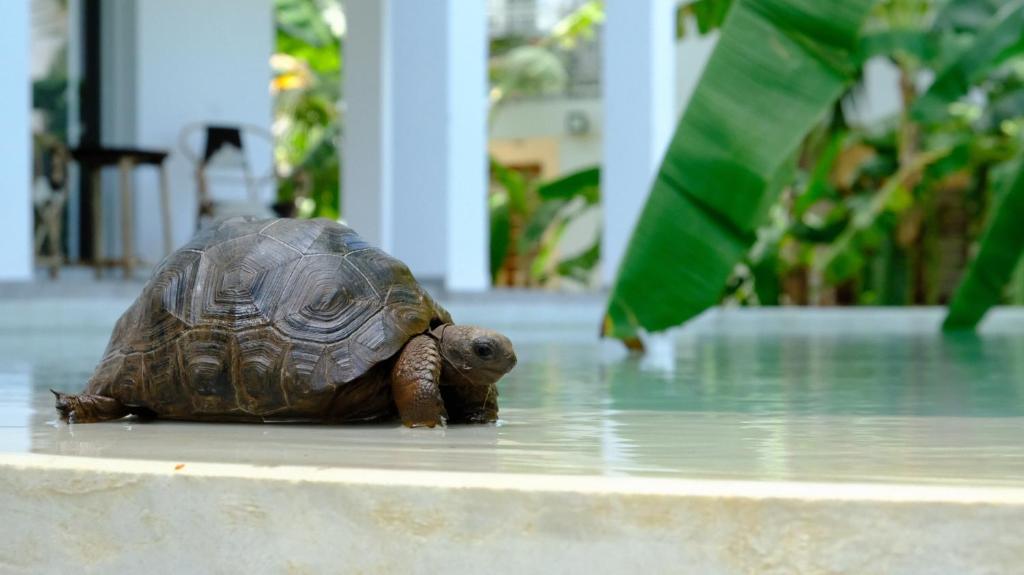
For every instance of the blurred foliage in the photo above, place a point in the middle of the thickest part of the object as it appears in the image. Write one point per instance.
(528, 223)
(1000, 250)
(529, 218)
(708, 15)
(741, 132)
(530, 67)
(49, 96)
(307, 115)
(875, 211)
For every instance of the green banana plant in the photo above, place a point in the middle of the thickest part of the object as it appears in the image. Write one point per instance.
(998, 255)
(778, 68)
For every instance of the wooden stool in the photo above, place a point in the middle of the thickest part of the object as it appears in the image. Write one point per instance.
(92, 161)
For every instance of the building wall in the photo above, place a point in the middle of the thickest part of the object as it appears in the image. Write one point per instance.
(196, 61)
(535, 130)
(15, 152)
(525, 128)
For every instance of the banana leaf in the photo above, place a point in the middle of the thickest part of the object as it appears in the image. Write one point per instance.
(580, 266)
(585, 183)
(709, 15)
(1000, 39)
(778, 68)
(500, 230)
(999, 252)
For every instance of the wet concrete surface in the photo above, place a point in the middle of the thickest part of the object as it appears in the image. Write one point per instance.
(779, 395)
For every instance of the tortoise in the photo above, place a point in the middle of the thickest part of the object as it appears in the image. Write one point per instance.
(291, 320)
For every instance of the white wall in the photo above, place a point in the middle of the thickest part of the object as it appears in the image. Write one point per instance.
(196, 61)
(15, 143)
(547, 118)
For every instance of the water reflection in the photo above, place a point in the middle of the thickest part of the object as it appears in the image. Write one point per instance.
(769, 403)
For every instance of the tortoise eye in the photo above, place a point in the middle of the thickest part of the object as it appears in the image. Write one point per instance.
(483, 350)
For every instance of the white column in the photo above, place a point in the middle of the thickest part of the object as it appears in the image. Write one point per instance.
(415, 155)
(639, 106)
(197, 61)
(468, 261)
(16, 251)
(366, 187)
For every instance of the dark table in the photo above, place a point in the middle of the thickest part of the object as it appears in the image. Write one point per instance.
(93, 160)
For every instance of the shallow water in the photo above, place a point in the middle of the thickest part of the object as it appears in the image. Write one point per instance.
(774, 395)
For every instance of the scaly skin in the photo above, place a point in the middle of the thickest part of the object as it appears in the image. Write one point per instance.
(86, 408)
(414, 383)
(471, 403)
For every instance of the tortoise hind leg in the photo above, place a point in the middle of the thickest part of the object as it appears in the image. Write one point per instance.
(87, 408)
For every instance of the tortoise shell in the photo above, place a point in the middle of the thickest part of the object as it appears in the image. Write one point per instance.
(262, 318)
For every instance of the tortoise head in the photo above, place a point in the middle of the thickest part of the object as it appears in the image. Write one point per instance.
(473, 355)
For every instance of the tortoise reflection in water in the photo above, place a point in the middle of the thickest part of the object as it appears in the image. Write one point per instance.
(289, 320)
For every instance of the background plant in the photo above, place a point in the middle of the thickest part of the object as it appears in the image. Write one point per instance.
(885, 212)
(529, 218)
(307, 66)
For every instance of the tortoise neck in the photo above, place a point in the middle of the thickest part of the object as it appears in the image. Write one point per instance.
(438, 332)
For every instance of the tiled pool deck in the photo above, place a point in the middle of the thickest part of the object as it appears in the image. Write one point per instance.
(767, 441)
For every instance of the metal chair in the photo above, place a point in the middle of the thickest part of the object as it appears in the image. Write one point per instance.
(219, 153)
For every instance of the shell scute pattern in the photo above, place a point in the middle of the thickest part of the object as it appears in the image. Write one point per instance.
(304, 376)
(165, 383)
(207, 359)
(236, 227)
(335, 238)
(297, 234)
(125, 338)
(326, 301)
(166, 303)
(240, 281)
(262, 357)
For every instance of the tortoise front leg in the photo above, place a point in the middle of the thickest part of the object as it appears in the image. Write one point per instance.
(469, 403)
(414, 383)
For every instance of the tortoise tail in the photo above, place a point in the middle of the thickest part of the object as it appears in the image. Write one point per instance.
(86, 408)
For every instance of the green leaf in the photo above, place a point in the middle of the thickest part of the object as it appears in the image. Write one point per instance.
(543, 261)
(514, 183)
(778, 68)
(302, 19)
(580, 24)
(585, 183)
(967, 15)
(500, 230)
(539, 222)
(904, 42)
(579, 267)
(1000, 39)
(709, 15)
(838, 261)
(998, 253)
(819, 187)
